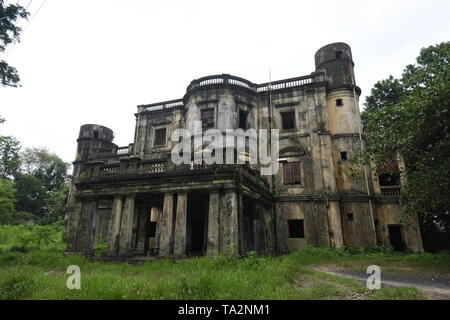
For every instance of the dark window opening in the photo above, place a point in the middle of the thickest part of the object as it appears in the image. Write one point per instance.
(291, 173)
(344, 155)
(296, 228)
(243, 115)
(152, 229)
(160, 137)
(207, 117)
(338, 54)
(288, 120)
(96, 134)
(389, 179)
(350, 216)
(395, 237)
(339, 102)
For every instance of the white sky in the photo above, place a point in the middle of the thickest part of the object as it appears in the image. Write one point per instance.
(91, 61)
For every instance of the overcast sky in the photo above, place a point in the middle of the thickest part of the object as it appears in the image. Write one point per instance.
(94, 61)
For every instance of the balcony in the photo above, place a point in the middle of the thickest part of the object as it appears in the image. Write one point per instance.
(390, 191)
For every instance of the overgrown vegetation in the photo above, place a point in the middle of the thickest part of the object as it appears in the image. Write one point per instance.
(34, 184)
(410, 116)
(33, 266)
(10, 15)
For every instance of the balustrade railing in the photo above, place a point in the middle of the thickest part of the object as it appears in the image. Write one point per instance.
(287, 83)
(163, 105)
(390, 191)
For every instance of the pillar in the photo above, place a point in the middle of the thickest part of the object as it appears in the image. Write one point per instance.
(212, 247)
(156, 216)
(127, 225)
(114, 227)
(143, 217)
(72, 224)
(229, 216)
(179, 247)
(86, 229)
(334, 220)
(91, 227)
(166, 236)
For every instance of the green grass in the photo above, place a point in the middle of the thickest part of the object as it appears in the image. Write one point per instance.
(39, 272)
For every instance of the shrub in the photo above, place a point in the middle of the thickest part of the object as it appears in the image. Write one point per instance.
(101, 248)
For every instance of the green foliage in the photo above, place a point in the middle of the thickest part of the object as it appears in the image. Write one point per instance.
(16, 285)
(25, 238)
(6, 200)
(224, 277)
(411, 116)
(101, 247)
(45, 166)
(9, 33)
(42, 186)
(9, 156)
(404, 293)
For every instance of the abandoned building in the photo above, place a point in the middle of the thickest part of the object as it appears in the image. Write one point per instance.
(138, 201)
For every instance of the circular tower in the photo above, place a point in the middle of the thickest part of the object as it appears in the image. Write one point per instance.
(336, 60)
(90, 136)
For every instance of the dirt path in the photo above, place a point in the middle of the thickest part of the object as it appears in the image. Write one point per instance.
(432, 288)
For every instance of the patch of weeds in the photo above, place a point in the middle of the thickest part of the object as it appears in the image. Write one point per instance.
(404, 293)
(17, 285)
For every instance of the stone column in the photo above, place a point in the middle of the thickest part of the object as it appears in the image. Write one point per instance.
(179, 247)
(72, 224)
(114, 227)
(86, 228)
(257, 209)
(143, 218)
(127, 225)
(166, 236)
(212, 247)
(334, 219)
(91, 227)
(231, 213)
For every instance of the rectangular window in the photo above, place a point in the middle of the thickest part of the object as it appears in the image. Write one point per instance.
(243, 115)
(296, 228)
(291, 173)
(343, 155)
(160, 137)
(339, 102)
(152, 229)
(288, 120)
(207, 117)
(350, 216)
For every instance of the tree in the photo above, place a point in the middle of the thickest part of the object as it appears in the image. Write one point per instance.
(411, 115)
(42, 185)
(50, 169)
(9, 156)
(10, 33)
(6, 200)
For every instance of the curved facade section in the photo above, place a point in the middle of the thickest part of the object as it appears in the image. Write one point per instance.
(337, 62)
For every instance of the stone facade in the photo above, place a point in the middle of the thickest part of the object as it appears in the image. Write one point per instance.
(141, 203)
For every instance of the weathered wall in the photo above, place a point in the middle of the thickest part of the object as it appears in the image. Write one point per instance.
(360, 232)
(391, 213)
